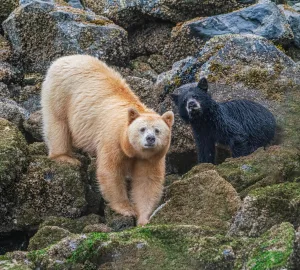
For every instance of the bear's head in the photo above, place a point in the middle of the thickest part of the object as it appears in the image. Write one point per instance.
(149, 133)
(193, 102)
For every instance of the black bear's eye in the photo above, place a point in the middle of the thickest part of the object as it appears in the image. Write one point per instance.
(142, 129)
(157, 131)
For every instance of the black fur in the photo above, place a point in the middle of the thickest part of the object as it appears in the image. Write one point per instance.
(242, 125)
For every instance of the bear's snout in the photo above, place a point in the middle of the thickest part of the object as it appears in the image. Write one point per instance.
(192, 104)
(193, 108)
(150, 139)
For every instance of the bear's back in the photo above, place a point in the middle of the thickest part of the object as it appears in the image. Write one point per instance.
(256, 120)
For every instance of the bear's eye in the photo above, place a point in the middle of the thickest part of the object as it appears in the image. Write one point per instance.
(142, 130)
(157, 131)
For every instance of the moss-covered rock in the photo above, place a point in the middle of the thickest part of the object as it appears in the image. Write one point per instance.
(13, 162)
(266, 207)
(68, 31)
(166, 247)
(46, 236)
(273, 249)
(72, 225)
(211, 201)
(274, 165)
(265, 72)
(49, 188)
(38, 149)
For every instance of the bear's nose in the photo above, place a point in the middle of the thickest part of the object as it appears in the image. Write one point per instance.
(192, 104)
(150, 139)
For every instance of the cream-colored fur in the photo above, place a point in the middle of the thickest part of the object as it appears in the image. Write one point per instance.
(89, 105)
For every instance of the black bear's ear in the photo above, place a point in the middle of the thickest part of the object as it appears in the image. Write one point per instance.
(175, 98)
(203, 84)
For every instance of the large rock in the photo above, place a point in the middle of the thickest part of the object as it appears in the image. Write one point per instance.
(265, 71)
(163, 247)
(42, 31)
(266, 207)
(130, 13)
(211, 201)
(263, 19)
(149, 39)
(49, 189)
(13, 162)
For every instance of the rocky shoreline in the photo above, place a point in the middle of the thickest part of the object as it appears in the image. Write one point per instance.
(239, 214)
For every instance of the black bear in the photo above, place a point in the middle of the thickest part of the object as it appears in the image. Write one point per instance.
(242, 125)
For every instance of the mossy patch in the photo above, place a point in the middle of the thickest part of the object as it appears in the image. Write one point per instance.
(273, 249)
(262, 168)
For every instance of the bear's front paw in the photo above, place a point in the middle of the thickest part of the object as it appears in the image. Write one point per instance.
(142, 221)
(124, 209)
(66, 159)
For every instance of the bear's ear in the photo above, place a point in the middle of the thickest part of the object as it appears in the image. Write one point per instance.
(168, 117)
(132, 115)
(203, 84)
(175, 98)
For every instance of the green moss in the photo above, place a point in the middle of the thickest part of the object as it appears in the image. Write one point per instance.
(262, 168)
(273, 249)
(87, 248)
(37, 255)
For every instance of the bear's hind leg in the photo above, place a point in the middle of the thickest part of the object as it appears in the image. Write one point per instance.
(58, 140)
(147, 186)
(240, 147)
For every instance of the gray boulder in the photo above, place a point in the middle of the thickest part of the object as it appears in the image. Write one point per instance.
(42, 31)
(129, 13)
(264, 19)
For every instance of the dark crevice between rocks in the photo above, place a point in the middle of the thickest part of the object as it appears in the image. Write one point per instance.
(180, 163)
(15, 240)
